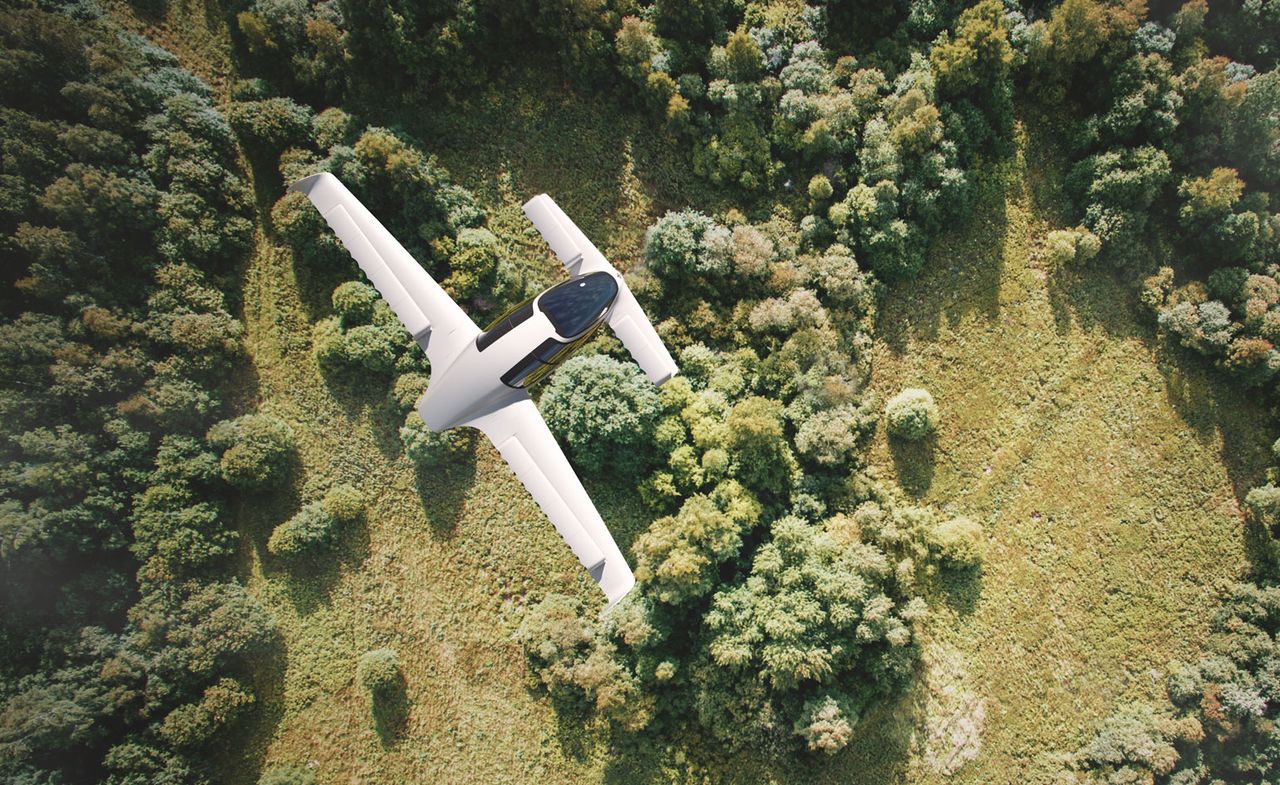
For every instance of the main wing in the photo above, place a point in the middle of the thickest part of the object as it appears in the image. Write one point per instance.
(525, 442)
(627, 318)
(429, 314)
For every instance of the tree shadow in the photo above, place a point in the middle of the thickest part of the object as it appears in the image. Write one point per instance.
(1217, 410)
(961, 589)
(310, 579)
(878, 753)
(244, 748)
(914, 462)
(575, 724)
(443, 489)
(390, 709)
(961, 279)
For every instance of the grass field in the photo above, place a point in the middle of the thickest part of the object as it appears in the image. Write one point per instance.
(1105, 469)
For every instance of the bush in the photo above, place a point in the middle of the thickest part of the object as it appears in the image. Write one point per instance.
(604, 410)
(353, 303)
(344, 503)
(819, 188)
(679, 555)
(1069, 245)
(288, 775)
(378, 671)
(958, 542)
(270, 125)
(426, 448)
(255, 450)
(313, 527)
(825, 725)
(911, 414)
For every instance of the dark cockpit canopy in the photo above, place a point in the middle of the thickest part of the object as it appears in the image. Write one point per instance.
(576, 305)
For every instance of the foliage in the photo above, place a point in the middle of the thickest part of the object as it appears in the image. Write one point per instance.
(255, 450)
(911, 414)
(126, 647)
(378, 671)
(604, 410)
(317, 525)
(825, 725)
(1222, 720)
(959, 542)
(428, 449)
(678, 557)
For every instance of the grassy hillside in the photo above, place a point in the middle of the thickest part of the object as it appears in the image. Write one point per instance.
(1105, 471)
(1098, 468)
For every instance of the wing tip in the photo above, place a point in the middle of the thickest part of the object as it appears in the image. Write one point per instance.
(537, 199)
(307, 184)
(667, 376)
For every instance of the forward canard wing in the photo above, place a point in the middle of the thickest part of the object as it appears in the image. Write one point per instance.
(432, 317)
(627, 318)
(525, 442)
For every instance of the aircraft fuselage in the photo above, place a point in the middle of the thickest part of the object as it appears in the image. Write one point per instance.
(519, 349)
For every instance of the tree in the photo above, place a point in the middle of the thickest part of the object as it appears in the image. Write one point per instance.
(911, 414)
(270, 125)
(685, 245)
(678, 556)
(255, 450)
(978, 54)
(959, 542)
(813, 609)
(759, 455)
(378, 671)
(353, 302)
(426, 448)
(825, 724)
(604, 410)
(311, 528)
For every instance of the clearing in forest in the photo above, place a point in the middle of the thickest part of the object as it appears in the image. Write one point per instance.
(1095, 461)
(1104, 467)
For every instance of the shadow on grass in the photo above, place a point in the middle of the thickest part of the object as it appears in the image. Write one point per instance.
(247, 742)
(878, 753)
(1213, 408)
(961, 589)
(915, 463)
(309, 579)
(390, 710)
(443, 489)
(961, 278)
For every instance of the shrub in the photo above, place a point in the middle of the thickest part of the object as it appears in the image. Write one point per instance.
(825, 725)
(353, 302)
(270, 125)
(604, 410)
(312, 527)
(911, 414)
(426, 448)
(820, 188)
(678, 555)
(344, 503)
(1263, 504)
(407, 389)
(1069, 245)
(958, 542)
(255, 450)
(378, 671)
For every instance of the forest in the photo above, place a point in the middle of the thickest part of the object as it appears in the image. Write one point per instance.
(971, 471)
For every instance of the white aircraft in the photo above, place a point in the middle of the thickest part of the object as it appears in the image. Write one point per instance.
(480, 378)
